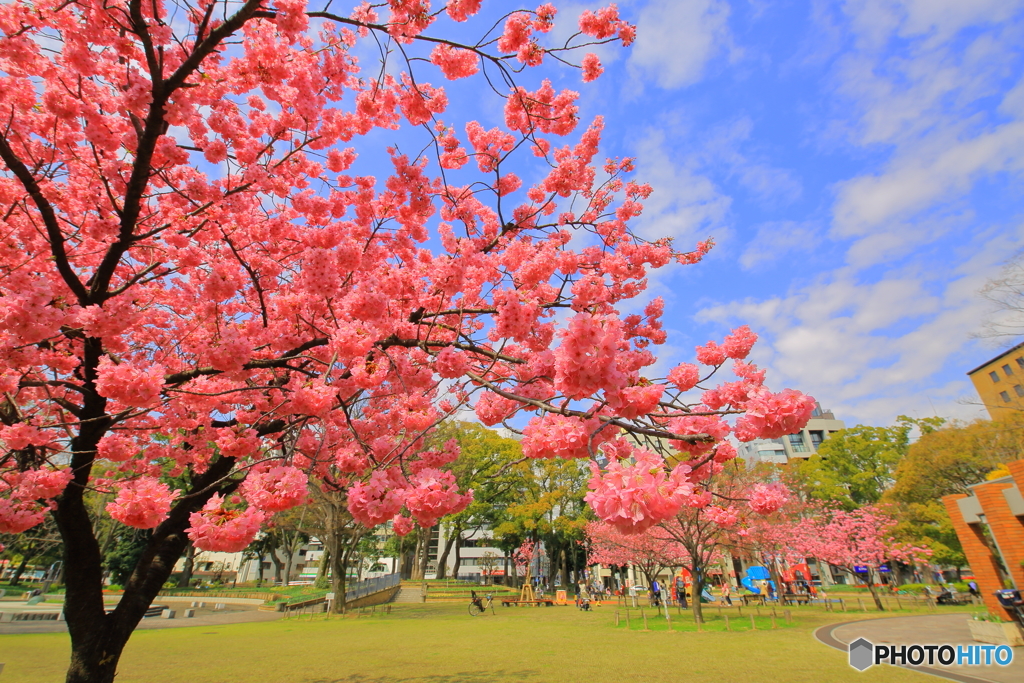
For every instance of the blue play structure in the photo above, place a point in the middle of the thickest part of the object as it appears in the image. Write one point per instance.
(756, 574)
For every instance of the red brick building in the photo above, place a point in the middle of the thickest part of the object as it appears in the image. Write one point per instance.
(999, 506)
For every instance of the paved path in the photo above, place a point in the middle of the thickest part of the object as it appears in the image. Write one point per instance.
(234, 614)
(929, 629)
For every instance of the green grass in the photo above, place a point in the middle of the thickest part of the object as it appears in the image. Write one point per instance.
(441, 643)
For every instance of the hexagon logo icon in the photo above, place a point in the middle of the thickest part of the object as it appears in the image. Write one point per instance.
(862, 654)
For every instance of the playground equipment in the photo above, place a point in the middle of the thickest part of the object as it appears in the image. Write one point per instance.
(757, 573)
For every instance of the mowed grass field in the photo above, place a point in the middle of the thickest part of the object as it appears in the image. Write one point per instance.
(442, 643)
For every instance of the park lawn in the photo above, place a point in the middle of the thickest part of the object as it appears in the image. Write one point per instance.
(442, 643)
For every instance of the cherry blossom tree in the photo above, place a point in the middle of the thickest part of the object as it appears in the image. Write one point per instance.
(651, 551)
(862, 537)
(721, 501)
(201, 282)
(770, 537)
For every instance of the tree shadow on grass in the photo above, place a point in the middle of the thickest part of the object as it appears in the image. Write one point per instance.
(460, 677)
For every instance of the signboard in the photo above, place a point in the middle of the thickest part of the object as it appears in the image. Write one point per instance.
(860, 568)
(884, 568)
(329, 596)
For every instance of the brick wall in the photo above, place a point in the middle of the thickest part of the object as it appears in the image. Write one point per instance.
(983, 562)
(1005, 526)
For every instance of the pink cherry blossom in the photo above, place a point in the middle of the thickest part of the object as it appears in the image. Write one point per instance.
(117, 447)
(592, 68)
(563, 436)
(131, 385)
(737, 345)
(455, 63)
(402, 525)
(226, 530)
(771, 416)
(17, 516)
(685, 376)
(711, 354)
(723, 517)
(433, 495)
(765, 498)
(379, 498)
(633, 497)
(275, 488)
(142, 503)
(37, 484)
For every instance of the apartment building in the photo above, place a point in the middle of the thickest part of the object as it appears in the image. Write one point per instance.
(1000, 382)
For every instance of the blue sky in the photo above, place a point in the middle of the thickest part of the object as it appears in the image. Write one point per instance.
(859, 165)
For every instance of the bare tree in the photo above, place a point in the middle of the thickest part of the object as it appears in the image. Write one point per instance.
(1006, 295)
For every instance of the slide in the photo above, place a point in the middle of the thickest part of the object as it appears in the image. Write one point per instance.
(706, 596)
(756, 573)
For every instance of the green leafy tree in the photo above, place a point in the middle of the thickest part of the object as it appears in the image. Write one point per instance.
(943, 462)
(949, 460)
(854, 467)
(492, 466)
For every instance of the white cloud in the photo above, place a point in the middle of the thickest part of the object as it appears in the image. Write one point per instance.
(869, 349)
(677, 38)
(915, 182)
(685, 204)
(776, 239)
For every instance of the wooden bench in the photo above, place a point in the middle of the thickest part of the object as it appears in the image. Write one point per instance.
(747, 599)
(516, 602)
(797, 598)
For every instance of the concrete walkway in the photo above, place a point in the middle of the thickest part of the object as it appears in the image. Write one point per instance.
(925, 630)
(234, 613)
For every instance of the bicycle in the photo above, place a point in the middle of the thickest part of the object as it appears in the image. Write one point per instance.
(478, 606)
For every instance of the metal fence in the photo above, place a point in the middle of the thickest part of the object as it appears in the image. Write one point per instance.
(369, 586)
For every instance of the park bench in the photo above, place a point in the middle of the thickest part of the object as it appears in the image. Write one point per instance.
(747, 599)
(796, 598)
(515, 602)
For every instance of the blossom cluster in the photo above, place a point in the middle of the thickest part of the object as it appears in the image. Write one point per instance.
(24, 496)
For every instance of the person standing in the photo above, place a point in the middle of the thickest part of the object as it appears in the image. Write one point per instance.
(656, 593)
(726, 593)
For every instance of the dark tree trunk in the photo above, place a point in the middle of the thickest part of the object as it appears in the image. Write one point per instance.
(288, 565)
(278, 565)
(186, 572)
(98, 638)
(565, 569)
(339, 578)
(697, 605)
(874, 591)
(442, 560)
(321, 570)
(425, 558)
(259, 570)
(16, 577)
(556, 555)
(458, 556)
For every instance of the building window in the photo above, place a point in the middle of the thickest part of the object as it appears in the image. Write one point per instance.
(1019, 389)
(1005, 396)
(1020, 363)
(994, 375)
(796, 442)
(817, 436)
(1008, 370)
